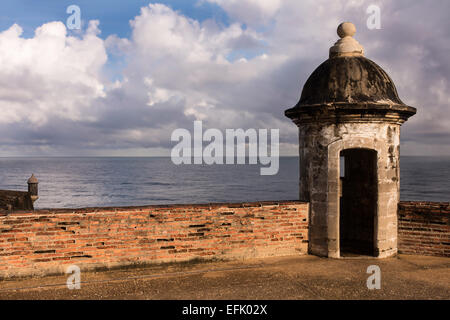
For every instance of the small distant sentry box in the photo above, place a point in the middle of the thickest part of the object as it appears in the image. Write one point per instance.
(20, 200)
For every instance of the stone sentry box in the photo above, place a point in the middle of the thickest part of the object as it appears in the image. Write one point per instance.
(349, 117)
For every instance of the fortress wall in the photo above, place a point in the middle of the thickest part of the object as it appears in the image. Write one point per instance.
(47, 242)
(424, 228)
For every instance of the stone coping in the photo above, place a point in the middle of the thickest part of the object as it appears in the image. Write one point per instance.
(441, 205)
(156, 207)
(12, 193)
(424, 203)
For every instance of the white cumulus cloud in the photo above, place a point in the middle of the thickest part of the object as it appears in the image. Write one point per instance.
(49, 74)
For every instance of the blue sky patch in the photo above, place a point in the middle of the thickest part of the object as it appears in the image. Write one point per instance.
(114, 15)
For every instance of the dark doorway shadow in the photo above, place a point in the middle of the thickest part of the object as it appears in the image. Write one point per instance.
(358, 202)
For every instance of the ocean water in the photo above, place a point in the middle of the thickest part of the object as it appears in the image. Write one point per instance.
(94, 182)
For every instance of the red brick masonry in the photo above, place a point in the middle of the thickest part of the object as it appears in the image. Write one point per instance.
(46, 242)
(424, 228)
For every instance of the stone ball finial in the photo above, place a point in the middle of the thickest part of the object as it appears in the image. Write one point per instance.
(347, 46)
(346, 29)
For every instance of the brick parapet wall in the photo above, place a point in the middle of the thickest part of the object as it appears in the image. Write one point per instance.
(46, 242)
(424, 228)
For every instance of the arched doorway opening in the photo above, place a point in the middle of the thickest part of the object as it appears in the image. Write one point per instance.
(358, 202)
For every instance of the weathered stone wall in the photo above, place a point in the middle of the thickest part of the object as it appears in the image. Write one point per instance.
(46, 242)
(424, 228)
(15, 200)
(320, 148)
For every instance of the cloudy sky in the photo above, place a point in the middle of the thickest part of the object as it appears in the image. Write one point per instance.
(138, 69)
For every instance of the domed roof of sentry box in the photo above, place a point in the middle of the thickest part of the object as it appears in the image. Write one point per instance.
(349, 81)
(32, 179)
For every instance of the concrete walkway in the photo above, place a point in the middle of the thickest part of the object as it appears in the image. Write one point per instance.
(307, 277)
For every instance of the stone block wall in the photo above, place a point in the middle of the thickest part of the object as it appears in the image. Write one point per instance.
(424, 228)
(47, 242)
